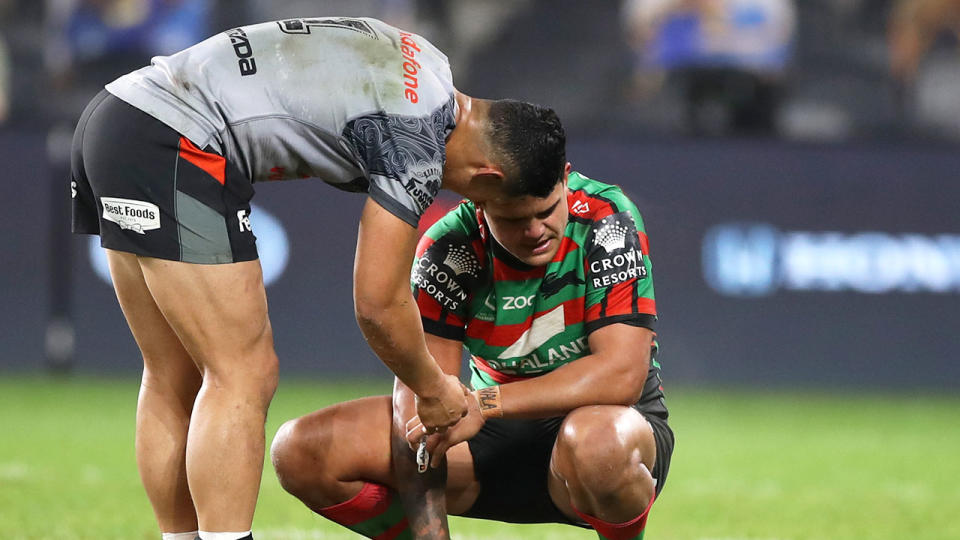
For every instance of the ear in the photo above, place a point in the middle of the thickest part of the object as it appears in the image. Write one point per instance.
(485, 183)
(566, 173)
(487, 174)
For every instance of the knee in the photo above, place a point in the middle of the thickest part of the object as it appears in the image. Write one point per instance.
(268, 377)
(298, 454)
(264, 366)
(602, 449)
(255, 375)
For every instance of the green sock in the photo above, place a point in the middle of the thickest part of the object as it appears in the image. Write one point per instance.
(375, 513)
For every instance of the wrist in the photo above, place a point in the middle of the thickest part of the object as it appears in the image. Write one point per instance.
(489, 401)
(429, 383)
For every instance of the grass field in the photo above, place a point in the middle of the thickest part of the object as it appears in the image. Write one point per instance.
(757, 466)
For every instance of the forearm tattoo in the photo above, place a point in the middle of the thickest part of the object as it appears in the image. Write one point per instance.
(490, 401)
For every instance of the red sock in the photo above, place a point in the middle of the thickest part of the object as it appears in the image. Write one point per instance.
(632, 529)
(374, 513)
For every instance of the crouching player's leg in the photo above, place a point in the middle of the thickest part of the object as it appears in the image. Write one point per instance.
(337, 461)
(605, 469)
(600, 466)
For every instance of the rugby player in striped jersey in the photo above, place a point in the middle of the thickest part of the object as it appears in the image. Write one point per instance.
(550, 291)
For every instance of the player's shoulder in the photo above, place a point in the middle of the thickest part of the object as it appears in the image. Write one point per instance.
(461, 220)
(450, 254)
(593, 200)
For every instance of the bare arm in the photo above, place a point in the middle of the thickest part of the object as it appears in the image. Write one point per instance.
(614, 373)
(390, 320)
(423, 495)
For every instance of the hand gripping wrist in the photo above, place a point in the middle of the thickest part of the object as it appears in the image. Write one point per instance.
(489, 401)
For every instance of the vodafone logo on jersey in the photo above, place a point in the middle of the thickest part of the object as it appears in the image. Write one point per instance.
(411, 68)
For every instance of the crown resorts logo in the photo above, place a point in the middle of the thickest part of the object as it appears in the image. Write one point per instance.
(610, 236)
(440, 279)
(462, 261)
(622, 258)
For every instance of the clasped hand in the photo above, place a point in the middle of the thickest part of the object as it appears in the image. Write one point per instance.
(441, 440)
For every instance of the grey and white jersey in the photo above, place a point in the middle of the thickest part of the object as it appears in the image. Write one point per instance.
(354, 102)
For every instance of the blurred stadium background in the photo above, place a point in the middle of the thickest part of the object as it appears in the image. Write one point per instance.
(795, 161)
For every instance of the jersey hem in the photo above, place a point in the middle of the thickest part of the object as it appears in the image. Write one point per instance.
(643, 320)
(159, 106)
(391, 205)
(446, 331)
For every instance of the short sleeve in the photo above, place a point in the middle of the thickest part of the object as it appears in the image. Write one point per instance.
(403, 157)
(446, 271)
(619, 277)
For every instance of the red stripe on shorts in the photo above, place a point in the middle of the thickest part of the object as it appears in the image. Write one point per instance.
(212, 164)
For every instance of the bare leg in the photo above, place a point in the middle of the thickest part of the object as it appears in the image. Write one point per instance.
(219, 313)
(601, 463)
(325, 457)
(169, 386)
(422, 494)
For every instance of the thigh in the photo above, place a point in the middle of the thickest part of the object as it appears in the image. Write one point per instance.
(462, 485)
(219, 312)
(511, 459)
(348, 441)
(154, 193)
(167, 364)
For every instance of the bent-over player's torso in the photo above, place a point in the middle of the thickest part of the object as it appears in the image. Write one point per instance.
(519, 321)
(355, 102)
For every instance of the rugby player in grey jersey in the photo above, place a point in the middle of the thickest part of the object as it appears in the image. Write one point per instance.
(162, 169)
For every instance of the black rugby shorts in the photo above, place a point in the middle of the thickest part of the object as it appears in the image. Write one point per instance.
(147, 190)
(511, 460)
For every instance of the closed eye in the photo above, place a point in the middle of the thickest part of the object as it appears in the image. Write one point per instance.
(546, 213)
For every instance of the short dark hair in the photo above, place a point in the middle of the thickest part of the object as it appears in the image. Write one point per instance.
(530, 144)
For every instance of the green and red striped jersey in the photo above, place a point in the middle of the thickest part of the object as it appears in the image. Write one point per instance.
(519, 321)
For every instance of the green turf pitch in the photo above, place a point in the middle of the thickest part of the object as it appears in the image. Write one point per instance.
(757, 466)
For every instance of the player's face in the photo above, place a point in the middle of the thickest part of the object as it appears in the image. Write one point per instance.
(530, 228)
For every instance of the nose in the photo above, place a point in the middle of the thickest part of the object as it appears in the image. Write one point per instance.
(534, 229)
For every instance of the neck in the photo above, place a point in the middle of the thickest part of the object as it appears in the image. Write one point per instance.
(464, 107)
(466, 149)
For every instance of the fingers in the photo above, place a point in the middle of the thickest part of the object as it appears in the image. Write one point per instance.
(439, 451)
(466, 396)
(415, 431)
(428, 448)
